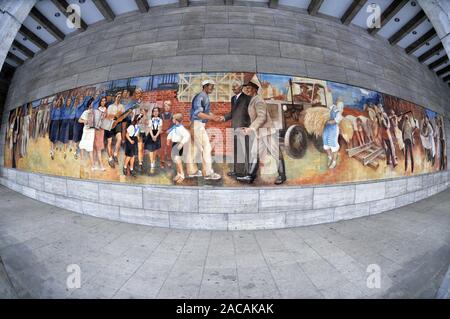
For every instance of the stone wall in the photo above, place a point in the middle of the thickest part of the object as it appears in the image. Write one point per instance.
(211, 208)
(226, 38)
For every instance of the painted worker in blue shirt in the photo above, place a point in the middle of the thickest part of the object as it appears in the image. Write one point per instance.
(66, 122)
(99, 94)
(134, 102)
(70, 115)
(55, 123)
(80, 106)
(200, 114)
(133, 105)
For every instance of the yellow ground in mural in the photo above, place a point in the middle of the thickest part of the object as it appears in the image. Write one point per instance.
(310, 169)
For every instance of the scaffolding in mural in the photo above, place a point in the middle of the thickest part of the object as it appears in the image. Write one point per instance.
(190, 85)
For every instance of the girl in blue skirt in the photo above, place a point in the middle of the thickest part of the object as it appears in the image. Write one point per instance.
(66, 122)
(55, 122)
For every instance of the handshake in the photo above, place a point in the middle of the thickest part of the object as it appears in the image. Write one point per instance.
(218, 118)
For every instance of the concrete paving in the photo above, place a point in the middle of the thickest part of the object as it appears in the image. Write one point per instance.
(409, 246)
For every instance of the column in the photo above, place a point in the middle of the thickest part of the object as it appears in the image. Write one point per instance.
(438, 11)
(12, 15)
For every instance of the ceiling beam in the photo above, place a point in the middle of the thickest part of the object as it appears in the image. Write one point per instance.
(352, 11)
(443, 71)
(438, 62)
(438, 47)
(273, 4)
(421, 41)
(15, 58)
(388, 14)
(408, 27)
(142, 5)
(62, 6)
(7, 67)
(183, 3)
(447, 78)
(105, 9)
(50, 27)
(23, 48)
(33, 37)
(314, 7)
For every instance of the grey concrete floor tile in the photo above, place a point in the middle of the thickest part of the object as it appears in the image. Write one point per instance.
(182, 282)
(221, 261)
(292, 282)
(93, 291)
(411, 245)
(145, 284)
(219, 283)
(257, 282)
(342, 290)
(250, 259)
(322, 274)
(128, 295)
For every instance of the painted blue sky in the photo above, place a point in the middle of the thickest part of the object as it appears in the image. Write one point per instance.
(279, 81)
(119, 83)
(141, 82)
(354, 97)
(164, 79)
(36, 103)
(431, 114)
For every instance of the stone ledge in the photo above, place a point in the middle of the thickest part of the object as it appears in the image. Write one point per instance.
(255, 213)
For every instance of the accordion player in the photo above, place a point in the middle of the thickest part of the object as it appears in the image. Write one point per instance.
(97, 119)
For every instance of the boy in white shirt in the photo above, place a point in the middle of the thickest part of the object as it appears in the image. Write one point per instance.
(179, 136)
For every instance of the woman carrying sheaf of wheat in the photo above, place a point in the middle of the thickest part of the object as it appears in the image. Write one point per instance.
(331, 132)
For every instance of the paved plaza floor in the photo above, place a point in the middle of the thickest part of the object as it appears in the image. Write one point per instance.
(409, 246)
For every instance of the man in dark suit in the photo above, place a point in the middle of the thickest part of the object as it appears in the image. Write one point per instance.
(239, 118)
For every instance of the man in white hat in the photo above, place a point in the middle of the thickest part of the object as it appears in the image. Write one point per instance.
(200, 114)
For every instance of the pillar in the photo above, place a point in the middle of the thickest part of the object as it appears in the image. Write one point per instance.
(12, 15)
(438, 12)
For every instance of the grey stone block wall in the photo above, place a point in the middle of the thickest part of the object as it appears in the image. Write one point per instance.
(225, 38)
(224, 208)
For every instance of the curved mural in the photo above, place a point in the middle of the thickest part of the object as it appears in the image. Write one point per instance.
(225, 129)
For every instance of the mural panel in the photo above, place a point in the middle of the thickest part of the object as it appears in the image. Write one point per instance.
(227, 129)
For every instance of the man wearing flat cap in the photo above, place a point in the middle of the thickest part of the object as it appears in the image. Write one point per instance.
(266, 141)
(200, 115)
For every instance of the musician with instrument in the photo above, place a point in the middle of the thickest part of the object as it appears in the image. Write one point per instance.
(115, 112)
(141, 137)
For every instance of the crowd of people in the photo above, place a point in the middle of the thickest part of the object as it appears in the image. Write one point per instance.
(88, 122)
(398, 132)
